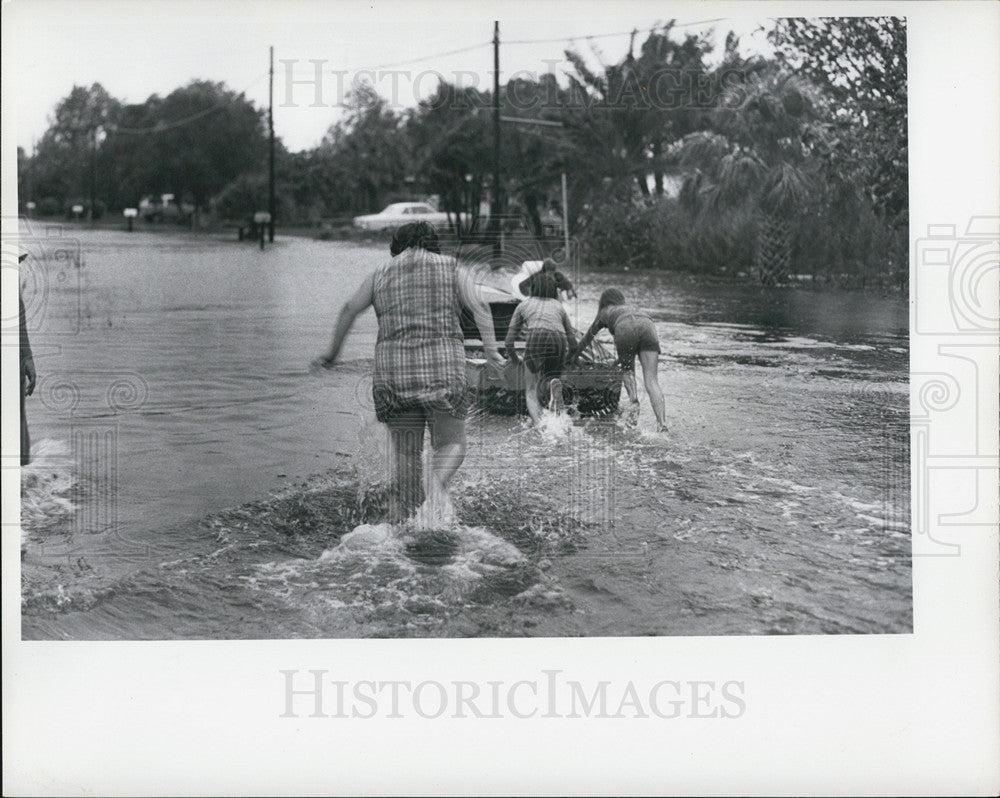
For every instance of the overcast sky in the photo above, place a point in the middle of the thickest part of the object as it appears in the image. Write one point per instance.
(136, 48)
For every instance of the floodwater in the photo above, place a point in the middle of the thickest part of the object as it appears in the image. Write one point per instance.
(193, 480)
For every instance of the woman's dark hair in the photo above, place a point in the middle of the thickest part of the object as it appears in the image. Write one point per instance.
(611, 296)
(415, 234)
(543, 285)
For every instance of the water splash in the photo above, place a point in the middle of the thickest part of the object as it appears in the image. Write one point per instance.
(555, 427)
(47, 484)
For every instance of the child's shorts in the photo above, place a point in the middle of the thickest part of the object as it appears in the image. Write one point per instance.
(634, 334)
(545, 352)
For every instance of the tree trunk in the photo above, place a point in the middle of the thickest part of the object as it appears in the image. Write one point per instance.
(657, 172)
(773, 250)
(531, 205)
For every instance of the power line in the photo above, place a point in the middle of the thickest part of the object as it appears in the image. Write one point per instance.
(584, 37)
(428, 57)
(205, 112)
(560, 39)
(589, 36)
(160, 128)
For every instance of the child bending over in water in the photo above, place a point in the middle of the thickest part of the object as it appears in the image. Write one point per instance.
(550, 338)
(634, 335)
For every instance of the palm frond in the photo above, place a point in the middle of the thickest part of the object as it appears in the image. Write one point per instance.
(703, 150)
(786, 188)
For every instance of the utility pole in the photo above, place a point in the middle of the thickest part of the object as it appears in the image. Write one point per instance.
(497, 208)
(29, 174)
(565, 204)
(93, 174)
(270, 123)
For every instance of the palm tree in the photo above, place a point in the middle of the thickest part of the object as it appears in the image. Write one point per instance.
(757, 158)
(623, 117)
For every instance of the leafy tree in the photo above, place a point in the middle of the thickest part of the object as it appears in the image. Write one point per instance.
(757, 158)
(66, 162)
(625, 118)
(128, 159)
(306, 185)
(860, 64)
(197, 139)
(367, 149)
(24, 192)
(534, 154)
(452, 147)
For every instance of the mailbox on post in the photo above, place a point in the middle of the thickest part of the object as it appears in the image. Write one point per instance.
(261, 218)
(130, 214)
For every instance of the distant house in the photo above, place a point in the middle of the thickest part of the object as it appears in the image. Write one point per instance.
(671, 184)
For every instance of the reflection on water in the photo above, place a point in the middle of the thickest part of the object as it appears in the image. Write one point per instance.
(192, 480)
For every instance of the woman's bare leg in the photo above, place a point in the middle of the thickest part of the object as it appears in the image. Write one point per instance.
(448, 451)
(650, 363)
(448, 442)
(406, 437)
(25, 437)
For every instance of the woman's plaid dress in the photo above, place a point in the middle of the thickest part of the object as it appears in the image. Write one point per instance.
(419, 353)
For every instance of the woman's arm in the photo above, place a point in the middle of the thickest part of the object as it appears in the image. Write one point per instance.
(27, 362)
(481, 314)
(484, 322)
(353, 308)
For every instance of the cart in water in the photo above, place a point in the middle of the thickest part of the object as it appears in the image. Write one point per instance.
(592, 386)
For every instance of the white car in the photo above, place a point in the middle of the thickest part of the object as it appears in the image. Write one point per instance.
(400, 213)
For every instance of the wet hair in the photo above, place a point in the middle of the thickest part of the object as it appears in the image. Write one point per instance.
(415, 234)
(543, 285)
(611, 296)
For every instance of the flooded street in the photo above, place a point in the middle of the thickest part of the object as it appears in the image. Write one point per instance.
(193, 480)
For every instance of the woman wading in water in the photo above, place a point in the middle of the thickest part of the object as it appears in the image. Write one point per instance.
(419, 379)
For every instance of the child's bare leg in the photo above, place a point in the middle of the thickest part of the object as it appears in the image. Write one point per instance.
(628, 378)
(531, 396)
(631, 414)
(650, 364)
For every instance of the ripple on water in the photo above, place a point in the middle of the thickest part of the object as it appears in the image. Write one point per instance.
(323, 550)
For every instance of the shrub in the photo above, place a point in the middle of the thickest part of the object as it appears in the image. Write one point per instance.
(851, 246)
(660, 235)
(48, 206)
(100, 208)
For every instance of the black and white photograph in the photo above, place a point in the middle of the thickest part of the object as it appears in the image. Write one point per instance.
(619, 350)
(425, 322)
